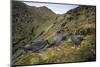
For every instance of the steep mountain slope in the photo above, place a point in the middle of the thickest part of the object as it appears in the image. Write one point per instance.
(30, 23)
(20, 21)
(27, 22)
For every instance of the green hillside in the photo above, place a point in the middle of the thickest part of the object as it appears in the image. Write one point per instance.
(30, 23)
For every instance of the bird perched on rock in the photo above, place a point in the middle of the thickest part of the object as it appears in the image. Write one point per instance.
(76, 39)
(36, 46)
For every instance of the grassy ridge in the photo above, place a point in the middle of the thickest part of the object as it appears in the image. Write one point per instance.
(32, 23)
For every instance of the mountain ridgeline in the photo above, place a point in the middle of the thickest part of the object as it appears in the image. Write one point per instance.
(26, 20)
(30, 23)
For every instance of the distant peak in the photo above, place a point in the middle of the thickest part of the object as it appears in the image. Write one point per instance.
(43, 7)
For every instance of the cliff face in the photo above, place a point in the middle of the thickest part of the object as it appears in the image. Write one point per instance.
(30, 23)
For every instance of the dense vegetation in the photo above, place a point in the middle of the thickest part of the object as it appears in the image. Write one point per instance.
(34, 23)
